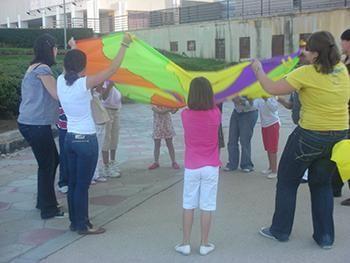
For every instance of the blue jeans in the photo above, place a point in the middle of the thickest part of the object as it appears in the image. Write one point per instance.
(63, 179)
(82, 154)
(306, 150)
(40, 139)
(241, 129)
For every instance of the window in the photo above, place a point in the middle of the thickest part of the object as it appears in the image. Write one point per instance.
(191, 45)
(174, 46)
(277, 45)
(244, 47)
(297, 4)
(220, 48)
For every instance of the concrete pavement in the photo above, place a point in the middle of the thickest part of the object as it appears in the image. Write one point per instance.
(142, 210)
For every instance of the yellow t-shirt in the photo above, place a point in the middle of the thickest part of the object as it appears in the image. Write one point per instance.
(324, 97)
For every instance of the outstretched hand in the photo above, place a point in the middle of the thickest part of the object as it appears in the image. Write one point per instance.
(127, 39)
(72, 43)
(256, 66)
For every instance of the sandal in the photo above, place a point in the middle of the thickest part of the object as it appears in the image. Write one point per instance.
(175, 166)
(92, 231)
(153, 166)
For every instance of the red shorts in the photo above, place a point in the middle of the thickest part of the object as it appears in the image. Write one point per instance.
(270, 137)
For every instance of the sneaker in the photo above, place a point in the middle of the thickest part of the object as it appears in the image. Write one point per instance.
(153, 166)
(265, 232)
(114, 174)
(63, 189)
(247, 170)
(272, 175)
(175, 166)
(113, 165)
(206, 249)
(227, 169)
(266, 172)
(183, 249)
(93, 182)
(346, 202)
(100, 179)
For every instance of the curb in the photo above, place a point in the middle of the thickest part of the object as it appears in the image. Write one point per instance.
(12, 141)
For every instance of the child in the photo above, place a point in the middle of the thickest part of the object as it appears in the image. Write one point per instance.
(111, 100)
(99, 175)
(270, 125)
(201, 162)
(163, 129)
(61, 125)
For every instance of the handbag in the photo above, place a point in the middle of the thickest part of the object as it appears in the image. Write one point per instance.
(99, 113)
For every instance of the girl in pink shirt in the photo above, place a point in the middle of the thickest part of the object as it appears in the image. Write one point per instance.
(201, 121)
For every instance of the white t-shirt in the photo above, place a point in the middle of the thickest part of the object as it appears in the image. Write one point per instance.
(76, 103)
(114, 99)
(268, 111)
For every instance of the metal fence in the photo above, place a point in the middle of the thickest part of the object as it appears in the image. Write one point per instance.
(222, 10)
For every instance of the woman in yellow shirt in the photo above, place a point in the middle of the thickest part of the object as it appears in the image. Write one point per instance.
(324, 91)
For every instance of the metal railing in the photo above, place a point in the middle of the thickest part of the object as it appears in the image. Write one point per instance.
(222, 10)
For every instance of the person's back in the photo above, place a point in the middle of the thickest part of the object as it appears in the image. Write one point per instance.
(75, 100)
(201, 137)
(323, 97)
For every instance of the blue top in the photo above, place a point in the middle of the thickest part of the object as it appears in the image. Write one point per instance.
(37, 106)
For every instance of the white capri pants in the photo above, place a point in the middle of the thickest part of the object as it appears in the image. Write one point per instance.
(200, 188)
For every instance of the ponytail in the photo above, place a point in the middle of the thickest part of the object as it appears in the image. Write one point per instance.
(71, 77)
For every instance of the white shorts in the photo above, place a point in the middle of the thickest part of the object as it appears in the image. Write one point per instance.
(200, 188)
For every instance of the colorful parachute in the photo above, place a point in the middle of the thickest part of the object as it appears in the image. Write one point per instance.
(147, 76)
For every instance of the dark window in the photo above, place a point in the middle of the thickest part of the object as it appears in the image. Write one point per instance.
(174, 46)
(220, 48)
(244, 47)
(191, 45)
(296, 3)
(277, 45)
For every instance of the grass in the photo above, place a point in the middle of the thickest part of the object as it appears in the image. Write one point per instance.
(12, 59)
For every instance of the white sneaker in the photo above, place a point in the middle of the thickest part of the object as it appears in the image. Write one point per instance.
(63, 189)
(272, 175)
(205, 250)
(114, 174)
(100, 179)
(266, 172)
(183, 249)
(113, 165)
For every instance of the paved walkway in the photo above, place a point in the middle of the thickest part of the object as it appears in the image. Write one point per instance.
(142, 210)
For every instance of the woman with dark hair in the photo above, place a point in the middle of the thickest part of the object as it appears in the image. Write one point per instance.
(324, 91)
(74, 92)
(201, 162)
(37, 112)
(337, 181)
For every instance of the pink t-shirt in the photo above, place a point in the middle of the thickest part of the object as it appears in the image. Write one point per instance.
(201, 132)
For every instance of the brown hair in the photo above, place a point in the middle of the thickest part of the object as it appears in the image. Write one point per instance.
(201, 96)
(324, 44)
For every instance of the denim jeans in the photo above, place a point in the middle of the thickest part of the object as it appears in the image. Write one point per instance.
(241, 129)
(306, 150)
(41, 140)
(63, 179)
(82, 153)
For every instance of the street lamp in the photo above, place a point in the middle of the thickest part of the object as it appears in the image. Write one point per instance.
(65, 24)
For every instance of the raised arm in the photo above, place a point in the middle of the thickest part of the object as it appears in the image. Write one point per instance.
(280, 87)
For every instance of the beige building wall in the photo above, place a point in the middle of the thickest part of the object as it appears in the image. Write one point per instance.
(260, 32)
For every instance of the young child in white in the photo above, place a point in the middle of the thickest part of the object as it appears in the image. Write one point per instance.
(270, 126)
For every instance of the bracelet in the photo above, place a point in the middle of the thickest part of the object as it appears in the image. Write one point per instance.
(124, 44)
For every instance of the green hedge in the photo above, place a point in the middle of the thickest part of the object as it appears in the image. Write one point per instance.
(24, 38)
